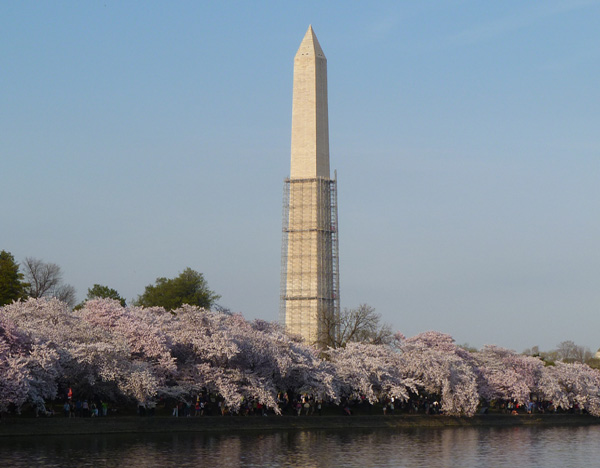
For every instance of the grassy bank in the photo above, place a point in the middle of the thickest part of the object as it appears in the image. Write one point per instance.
(231, 424)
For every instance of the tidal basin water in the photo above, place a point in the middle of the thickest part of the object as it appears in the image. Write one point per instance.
(513, 447)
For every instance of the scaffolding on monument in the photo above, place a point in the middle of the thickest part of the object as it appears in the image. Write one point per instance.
(310, 248)
(335, 249)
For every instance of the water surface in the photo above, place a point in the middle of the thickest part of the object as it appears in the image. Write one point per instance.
(515, 447)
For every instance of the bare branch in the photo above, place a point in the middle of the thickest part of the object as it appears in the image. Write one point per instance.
(65, 293)
(41, 276)
(354, 325)
(45, 280)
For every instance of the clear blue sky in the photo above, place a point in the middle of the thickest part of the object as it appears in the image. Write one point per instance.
(140, 138)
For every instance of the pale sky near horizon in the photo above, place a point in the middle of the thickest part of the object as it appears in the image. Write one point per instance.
(140, 138)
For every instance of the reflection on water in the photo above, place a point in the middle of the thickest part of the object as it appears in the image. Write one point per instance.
(561, 447)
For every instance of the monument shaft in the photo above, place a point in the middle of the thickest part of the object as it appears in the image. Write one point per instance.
(310, 121)
(309, 296)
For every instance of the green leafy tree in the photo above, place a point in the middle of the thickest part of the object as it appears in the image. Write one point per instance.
(12, 287)
(99, 291)
(189, 287)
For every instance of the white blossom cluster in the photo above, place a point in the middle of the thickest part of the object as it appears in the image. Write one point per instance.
(144, 354)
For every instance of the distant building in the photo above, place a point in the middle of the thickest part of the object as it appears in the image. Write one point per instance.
(310, 276)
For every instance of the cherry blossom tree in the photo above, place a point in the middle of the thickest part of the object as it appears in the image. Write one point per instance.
(372, 371)
(444, 369)
(571, 385)
(142, 332)
(68, 351)
(135, 353)
(14, 375)
(241, 360)
(506, 375)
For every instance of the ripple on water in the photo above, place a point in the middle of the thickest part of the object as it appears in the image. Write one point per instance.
(515, 447)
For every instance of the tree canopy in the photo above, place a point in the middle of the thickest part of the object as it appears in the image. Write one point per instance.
(45, 279)
(189, 287)
(99, 291)
(141, 354)
(12, 287)
(359, 325)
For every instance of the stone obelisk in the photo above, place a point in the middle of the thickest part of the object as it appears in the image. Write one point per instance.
(310, 284)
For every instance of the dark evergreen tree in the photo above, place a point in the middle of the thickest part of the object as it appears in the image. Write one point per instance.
(12, 287)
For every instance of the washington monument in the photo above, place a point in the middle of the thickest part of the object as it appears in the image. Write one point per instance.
(309, 259)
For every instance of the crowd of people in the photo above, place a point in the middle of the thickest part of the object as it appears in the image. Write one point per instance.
(290, 404)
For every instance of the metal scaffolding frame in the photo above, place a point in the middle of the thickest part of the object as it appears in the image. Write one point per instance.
(309, 256)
